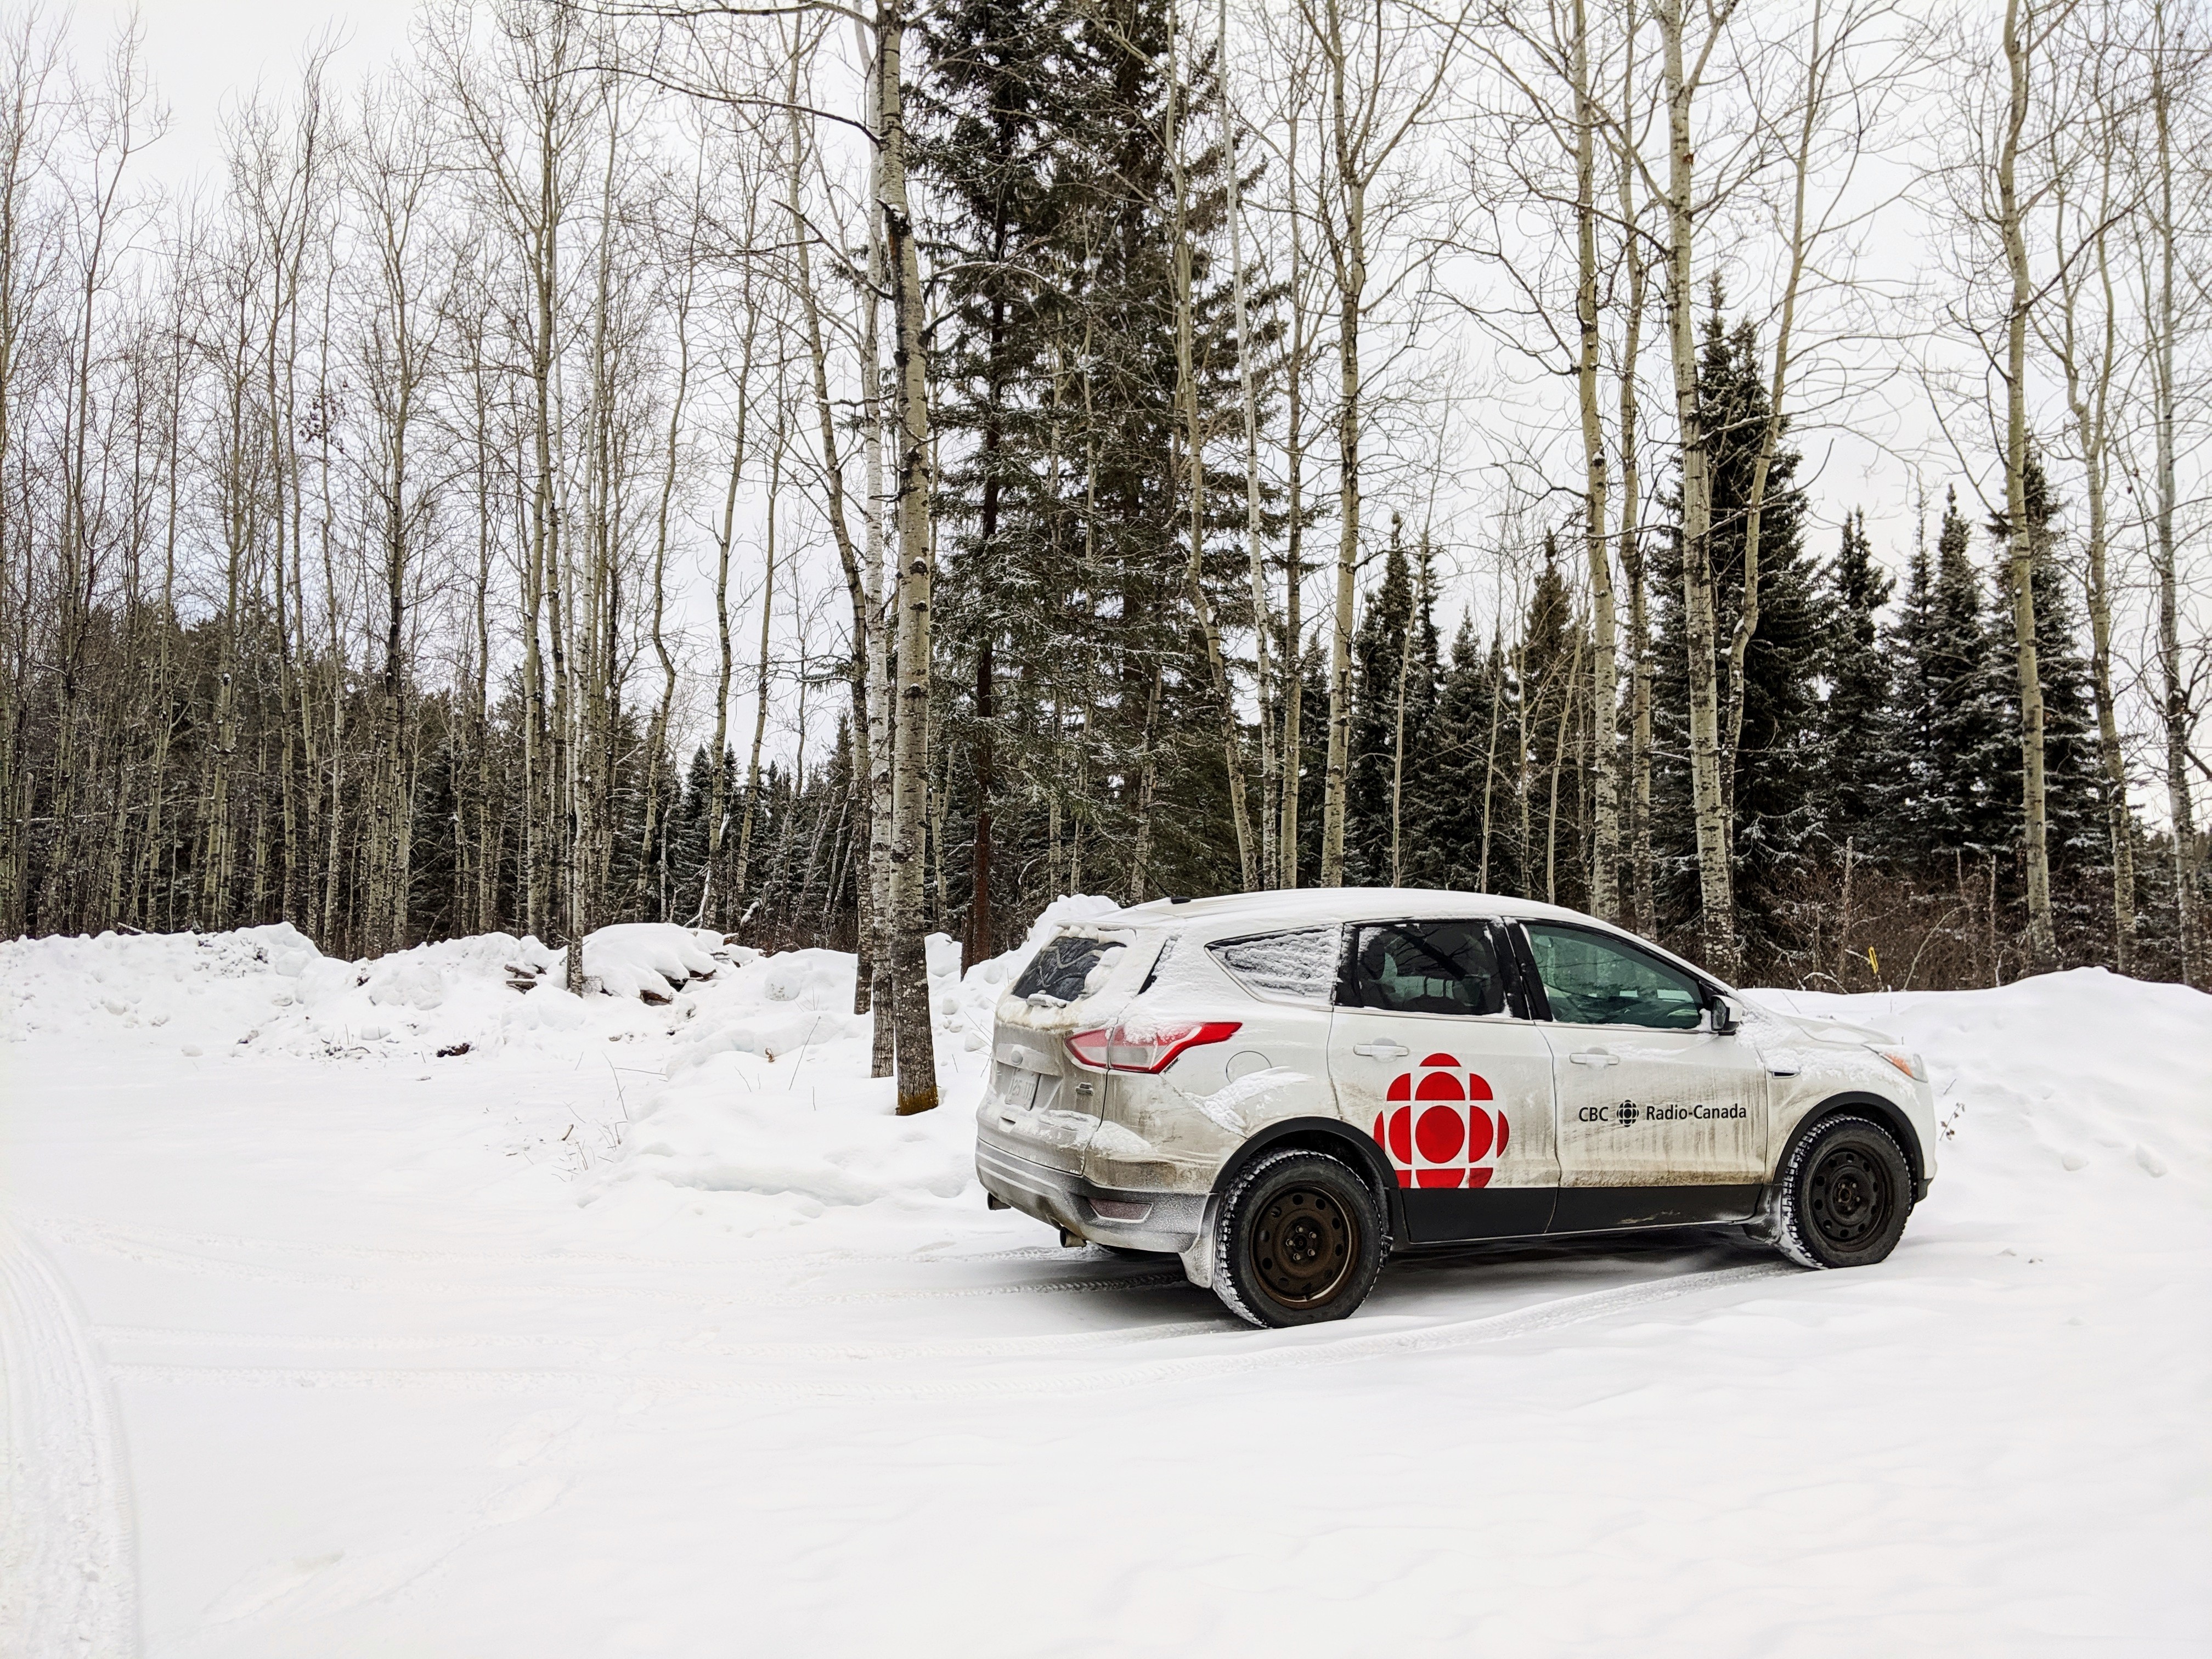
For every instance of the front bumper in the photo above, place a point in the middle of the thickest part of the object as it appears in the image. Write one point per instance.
(1140, 1220)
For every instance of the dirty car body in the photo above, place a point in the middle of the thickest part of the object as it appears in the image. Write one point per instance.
(1485, 1068)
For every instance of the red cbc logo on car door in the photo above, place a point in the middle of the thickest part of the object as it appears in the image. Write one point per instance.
(1438, 1128)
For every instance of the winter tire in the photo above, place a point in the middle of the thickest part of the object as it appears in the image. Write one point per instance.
(1298, 1241)
(1845, 1196)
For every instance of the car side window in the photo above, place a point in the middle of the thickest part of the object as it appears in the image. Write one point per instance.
(1427, 968)
(1296, 967)
(1594, 980)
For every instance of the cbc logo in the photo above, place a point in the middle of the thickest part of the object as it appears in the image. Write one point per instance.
(1442, 1135)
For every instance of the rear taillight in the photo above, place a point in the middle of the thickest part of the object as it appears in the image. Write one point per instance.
(1147, 1048)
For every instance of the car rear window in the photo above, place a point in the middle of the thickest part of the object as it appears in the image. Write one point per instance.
(1295, 967)
(1069, 967)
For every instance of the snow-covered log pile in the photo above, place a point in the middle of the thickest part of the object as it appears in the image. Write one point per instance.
(268, 990)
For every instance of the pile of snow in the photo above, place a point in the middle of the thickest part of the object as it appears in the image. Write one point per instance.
(2103, 1076)
(769, 1096)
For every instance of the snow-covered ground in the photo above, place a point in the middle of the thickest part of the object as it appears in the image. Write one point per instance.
(388, 1309)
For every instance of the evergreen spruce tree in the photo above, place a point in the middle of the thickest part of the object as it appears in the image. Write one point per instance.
(1458, 781)
(1394, 656)
(1952, 735)
(1856, 775)
(1063, 493)
(1547, 776)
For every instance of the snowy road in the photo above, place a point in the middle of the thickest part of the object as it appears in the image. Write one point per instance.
(388, 1388)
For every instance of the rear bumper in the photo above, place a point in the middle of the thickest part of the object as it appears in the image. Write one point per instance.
(1138, 1220)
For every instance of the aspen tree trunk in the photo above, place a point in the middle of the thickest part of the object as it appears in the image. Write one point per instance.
(1770, 436)
(875, 952)
(1398, 729)
(164, 675)
(1716, 899)
(1194, 443)
(1270, 864)
(487, 836)
(1631, 503)
(1092, 673)
(711, 904)
(1147, 774)
(657, 733)
(392, 199)
(2088, 390)
(334, 820)
(2174, 687)
(917, 1064)
(22, 149)
(2042, 934)
(738, 878)
(1525, 745)
(1294, 549)
(1490, 763)
(1559, 765)
(1348, 250)
(597, 682)
(865, 626)
(1605, 858)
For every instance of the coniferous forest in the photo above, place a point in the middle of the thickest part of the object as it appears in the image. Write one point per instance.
(834, 475)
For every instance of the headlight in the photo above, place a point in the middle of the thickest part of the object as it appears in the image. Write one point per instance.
(1905, 1060)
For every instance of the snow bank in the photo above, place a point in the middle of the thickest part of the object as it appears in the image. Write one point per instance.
(765, 1089)
(268, 990)
(2084, 1070)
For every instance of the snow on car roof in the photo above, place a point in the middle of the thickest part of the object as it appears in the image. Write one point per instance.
(1320, 906)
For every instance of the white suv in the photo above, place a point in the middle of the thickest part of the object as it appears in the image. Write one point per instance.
(1280, 1087)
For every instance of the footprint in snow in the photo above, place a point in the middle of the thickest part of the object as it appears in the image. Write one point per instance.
(533, 1497)
(527, 1440)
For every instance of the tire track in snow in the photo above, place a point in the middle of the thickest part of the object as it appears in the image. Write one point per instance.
(125, 1248)
(1283, 1351)
(67, 1565)
(74, 1231)
(1048, 1346)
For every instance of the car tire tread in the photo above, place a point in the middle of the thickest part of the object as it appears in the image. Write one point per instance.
(1793, 1232)
(1232, 1283)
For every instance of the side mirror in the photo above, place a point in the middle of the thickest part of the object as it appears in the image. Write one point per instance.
(1728, 1014)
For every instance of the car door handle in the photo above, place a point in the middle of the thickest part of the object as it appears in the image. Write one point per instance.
(1383, 1049)
(1595, 1057)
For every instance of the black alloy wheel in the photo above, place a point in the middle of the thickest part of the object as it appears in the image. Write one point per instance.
(1297, 1240)
(1845, 1193)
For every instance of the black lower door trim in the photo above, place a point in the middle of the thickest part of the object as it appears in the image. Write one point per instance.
(1601, 1209)
(1437, 1217)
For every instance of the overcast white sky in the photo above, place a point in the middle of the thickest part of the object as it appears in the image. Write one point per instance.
(204, 54)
